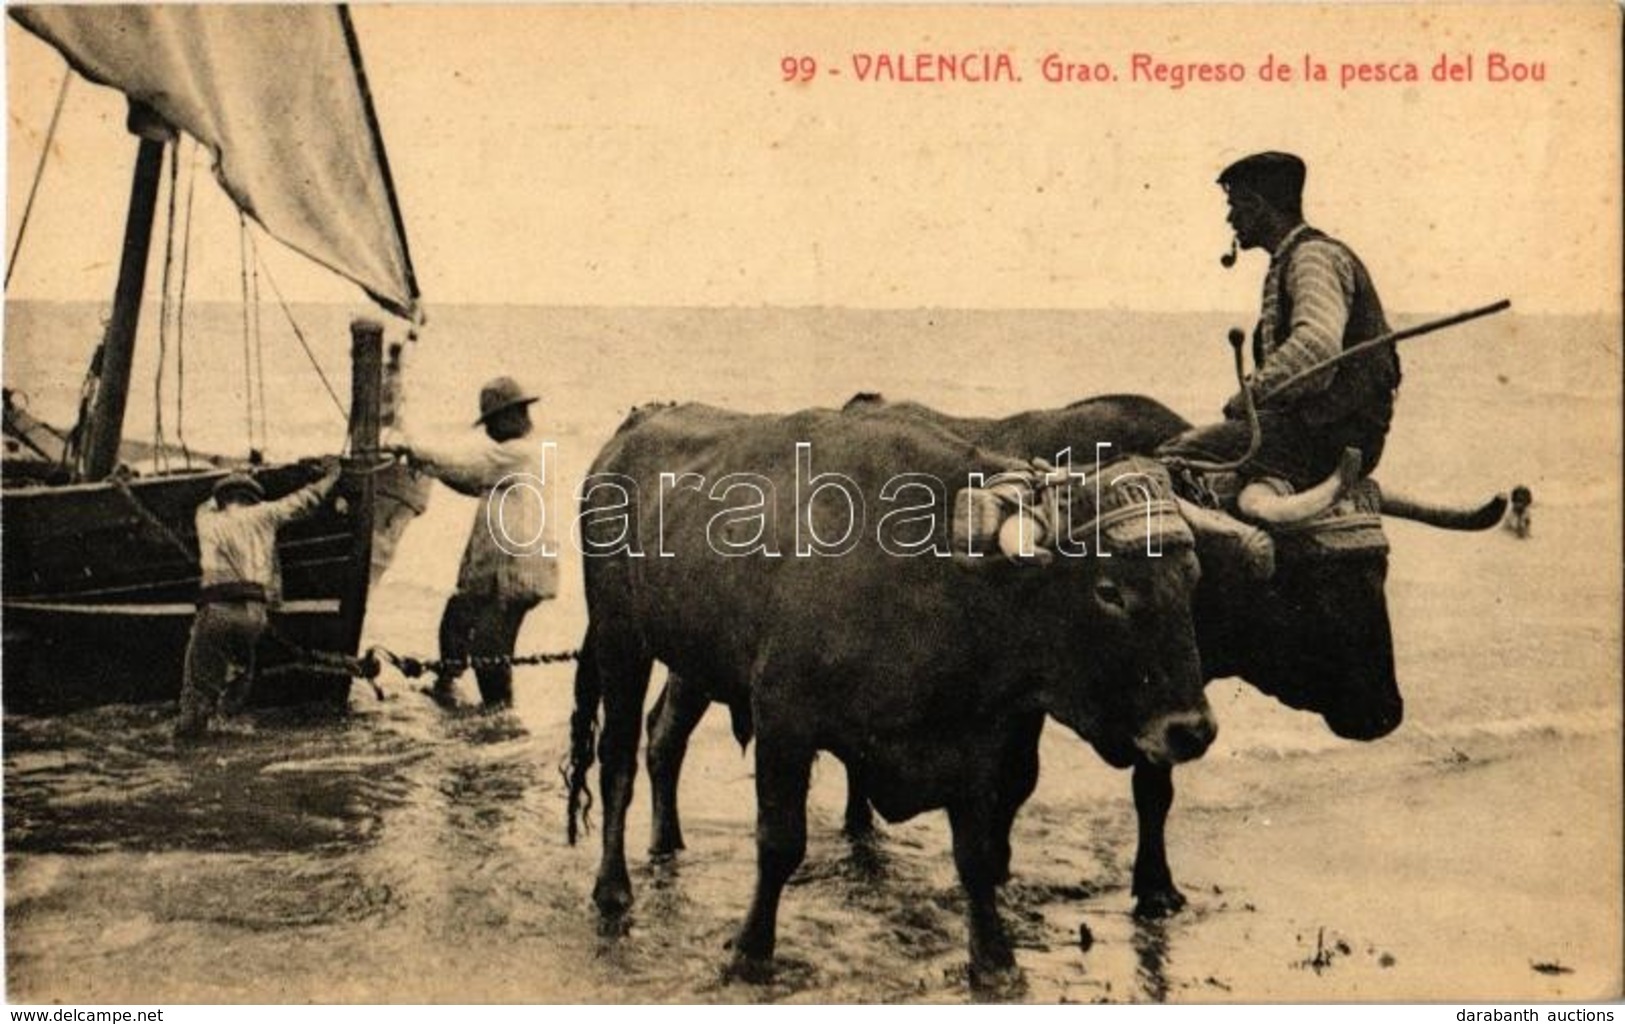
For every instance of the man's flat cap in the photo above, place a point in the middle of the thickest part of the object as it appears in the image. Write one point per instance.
(1276, 178)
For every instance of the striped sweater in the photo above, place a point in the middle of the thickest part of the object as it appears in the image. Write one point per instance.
(1332, 304)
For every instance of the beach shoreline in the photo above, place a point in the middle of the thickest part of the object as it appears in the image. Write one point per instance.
(403, 855)
(1488, 878)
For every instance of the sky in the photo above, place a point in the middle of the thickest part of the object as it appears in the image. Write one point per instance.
(654, 156)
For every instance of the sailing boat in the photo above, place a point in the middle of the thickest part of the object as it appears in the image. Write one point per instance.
(100, 563)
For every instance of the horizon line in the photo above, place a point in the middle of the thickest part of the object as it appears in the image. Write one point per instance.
(793, 307)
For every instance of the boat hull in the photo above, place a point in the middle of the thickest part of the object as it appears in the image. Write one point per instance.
(100, 579)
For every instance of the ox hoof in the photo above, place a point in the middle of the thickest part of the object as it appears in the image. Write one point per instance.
(614, 926)
(666, 847)
(613, 899)
(997, 982)
(1159, 903)
(748, 968)
(444, 696)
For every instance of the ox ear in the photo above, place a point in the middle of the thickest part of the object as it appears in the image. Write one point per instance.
(1231, 540)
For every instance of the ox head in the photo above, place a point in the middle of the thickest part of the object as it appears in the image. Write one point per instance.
(1316, 634)
(1143, 639)
(1119, 561)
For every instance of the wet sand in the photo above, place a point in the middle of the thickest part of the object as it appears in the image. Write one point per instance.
(1455, 869)
(1361, 875)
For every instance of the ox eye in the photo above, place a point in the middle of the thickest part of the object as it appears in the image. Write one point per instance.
(1108, 593)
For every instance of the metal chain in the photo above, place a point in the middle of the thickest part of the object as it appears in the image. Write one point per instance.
(327, 663)
(369, 665)
(337, 663)
(412, 668)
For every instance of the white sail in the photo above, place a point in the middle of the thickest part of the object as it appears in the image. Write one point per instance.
(277, 94)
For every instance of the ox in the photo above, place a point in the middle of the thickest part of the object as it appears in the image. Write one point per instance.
(1314, 635)
(929, 680)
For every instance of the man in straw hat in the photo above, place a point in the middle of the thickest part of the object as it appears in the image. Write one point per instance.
(241, 581)
(508, 565)
(1318, 300)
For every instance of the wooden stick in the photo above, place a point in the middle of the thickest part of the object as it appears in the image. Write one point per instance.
(1392, 337)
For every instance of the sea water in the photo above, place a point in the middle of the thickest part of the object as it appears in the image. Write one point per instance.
(404, 854)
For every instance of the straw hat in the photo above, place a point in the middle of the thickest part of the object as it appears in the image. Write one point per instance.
(239, 483)
(499, 394)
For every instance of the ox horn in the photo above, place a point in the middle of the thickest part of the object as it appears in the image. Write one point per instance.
(1261, 502)
(1480, 518)
(1252, 545)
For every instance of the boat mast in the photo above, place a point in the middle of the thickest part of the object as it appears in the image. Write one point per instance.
(104, 429)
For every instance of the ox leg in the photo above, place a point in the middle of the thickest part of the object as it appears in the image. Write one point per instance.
(1155, 894)
(977, 855)
(783, 770)
(1018, 777)
(626, 681)
(672, 720)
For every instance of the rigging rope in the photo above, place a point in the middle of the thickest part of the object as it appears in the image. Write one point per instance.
(73, 451)
(259, 337)
(39, 173)
(160, 456)
(180, 313)
(299, 334)
(153, 521)
(248, 357)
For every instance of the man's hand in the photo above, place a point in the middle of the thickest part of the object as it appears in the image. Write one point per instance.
(332, 466)
(394, 442)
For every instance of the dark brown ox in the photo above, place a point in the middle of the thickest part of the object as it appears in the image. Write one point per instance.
(928, 679)
(1315, 634)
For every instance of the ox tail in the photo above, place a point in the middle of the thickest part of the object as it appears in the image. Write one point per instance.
(743, 725)
(589, 692)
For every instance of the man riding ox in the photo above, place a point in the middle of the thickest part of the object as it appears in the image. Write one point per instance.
(807, 568)
(1314, 633)
(1320, 425)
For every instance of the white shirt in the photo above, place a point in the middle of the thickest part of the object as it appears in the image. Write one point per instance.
(238, 544)
(512, 547)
